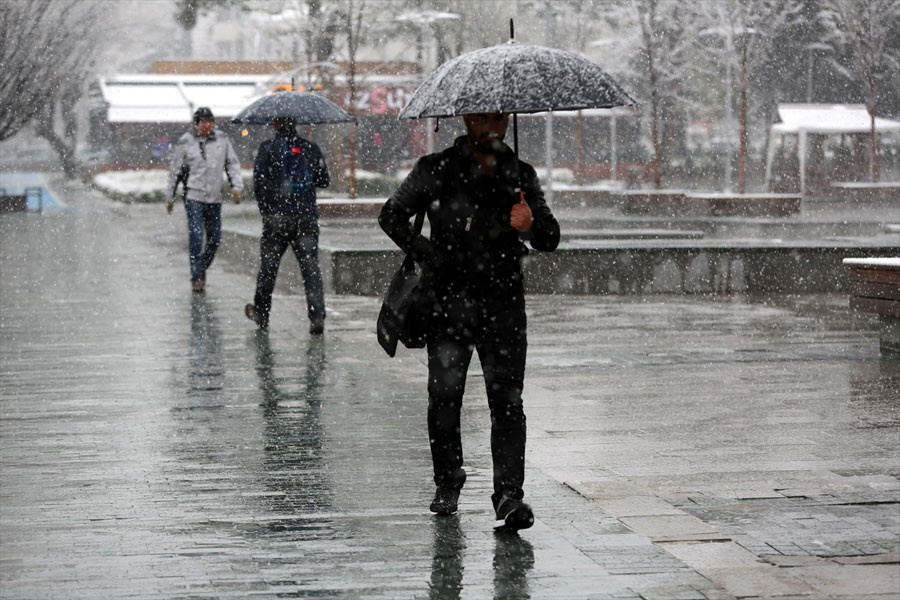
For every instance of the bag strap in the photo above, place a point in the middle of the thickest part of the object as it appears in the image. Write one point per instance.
(408, 263)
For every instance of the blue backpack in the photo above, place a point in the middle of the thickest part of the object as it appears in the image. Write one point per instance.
(296, 173)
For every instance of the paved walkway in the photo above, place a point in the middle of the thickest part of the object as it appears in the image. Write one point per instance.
(153, 445)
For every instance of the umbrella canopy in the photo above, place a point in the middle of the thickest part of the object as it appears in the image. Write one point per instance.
(303, 107)
(514, 78)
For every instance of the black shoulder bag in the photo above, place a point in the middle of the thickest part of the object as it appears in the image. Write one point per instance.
(399, 319)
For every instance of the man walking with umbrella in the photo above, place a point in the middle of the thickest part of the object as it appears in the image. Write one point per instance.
(198, 160)
(287, 171)
(481, 202)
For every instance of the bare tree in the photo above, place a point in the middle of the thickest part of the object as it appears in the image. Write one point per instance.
(187, 12)
(744, 28)
(664, 49)
(865, 27)
(46, 57)
(354, 19)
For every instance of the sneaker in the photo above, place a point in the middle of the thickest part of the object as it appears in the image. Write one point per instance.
(446, 497)
(317, 327)
(513, 515)
(446, 501)
(253, 314)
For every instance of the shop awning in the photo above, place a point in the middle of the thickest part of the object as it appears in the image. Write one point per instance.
(173, 98)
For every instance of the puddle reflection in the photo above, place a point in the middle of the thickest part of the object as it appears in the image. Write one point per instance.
(206, 372)
(512, 563)
(874, 389)
(513, 560)
(294, 469)
(447, 559)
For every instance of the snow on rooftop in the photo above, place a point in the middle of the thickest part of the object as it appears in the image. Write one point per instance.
(829, 118)
(172, 99)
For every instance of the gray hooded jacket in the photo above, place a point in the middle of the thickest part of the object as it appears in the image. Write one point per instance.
(205, 161)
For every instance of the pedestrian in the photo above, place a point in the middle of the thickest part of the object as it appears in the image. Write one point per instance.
(287, 171)
(198, 160)
(474, 297)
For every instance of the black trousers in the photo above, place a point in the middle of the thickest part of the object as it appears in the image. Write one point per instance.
(497, 331)
(301, 234)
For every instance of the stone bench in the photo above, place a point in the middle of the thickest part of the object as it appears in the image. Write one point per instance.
(657, 202)
(589, 235)
(748, 205)
(875, 289)
(13, 203)
(718, 204)
(358, 208)
(573, 197)
(866, 190)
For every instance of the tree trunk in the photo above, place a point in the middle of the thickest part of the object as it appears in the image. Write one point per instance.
(654, 112)
(352, 45)
(873, 149)
(742, 139)
(44, 126)
(64, 151)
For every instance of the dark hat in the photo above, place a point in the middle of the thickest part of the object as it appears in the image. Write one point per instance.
(203, 114)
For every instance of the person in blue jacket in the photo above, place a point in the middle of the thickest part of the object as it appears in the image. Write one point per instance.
(482, 203)
(287, 171)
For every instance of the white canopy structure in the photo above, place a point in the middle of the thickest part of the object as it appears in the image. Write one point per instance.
(824, 119)
(173, 98)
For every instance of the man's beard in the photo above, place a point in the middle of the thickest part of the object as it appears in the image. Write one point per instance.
(488, 144)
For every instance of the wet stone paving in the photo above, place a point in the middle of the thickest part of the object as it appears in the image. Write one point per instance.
(153, 444)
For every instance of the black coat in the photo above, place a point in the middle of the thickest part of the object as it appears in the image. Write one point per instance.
(473, 250)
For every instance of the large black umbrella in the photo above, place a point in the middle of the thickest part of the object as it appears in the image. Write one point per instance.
(514, 78)
(303, 107)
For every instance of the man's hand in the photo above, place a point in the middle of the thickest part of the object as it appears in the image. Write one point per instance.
(520, 216)
(236, 196)
(169, 204)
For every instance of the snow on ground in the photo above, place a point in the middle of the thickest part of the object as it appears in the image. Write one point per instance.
(132, 182)
(148, 185)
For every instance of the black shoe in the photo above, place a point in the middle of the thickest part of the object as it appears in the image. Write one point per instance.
(317, 327)
(254, 316)
(446, 501)
(446, 497)
(513, 515)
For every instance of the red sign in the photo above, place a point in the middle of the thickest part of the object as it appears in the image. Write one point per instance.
(382, 100)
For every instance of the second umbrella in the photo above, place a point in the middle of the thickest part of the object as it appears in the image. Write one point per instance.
(302, 107)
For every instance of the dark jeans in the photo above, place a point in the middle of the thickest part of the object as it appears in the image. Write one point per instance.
(497, 333)
(302, 235)
(202, 217)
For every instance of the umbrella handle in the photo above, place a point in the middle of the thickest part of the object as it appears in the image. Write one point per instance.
(516, 146)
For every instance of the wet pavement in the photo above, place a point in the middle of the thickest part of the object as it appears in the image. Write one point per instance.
(154, 445)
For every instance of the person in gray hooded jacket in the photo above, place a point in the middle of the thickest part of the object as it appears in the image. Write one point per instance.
(198, 160)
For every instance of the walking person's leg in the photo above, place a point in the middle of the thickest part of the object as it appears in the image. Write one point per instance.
(502, 352)
(194, 211)
(448, 364)
(212, 222)
(306, 248)
(272, 245)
